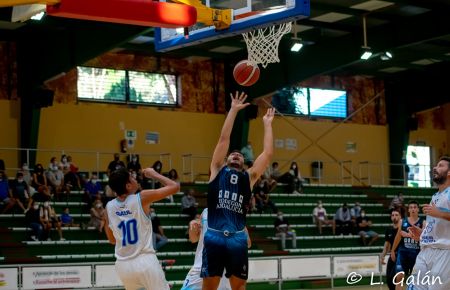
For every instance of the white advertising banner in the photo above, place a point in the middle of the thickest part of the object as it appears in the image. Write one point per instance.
(105, 276)
(8, 279)
(261, 270)
(56, 277)
(361, 265)
(305, 268)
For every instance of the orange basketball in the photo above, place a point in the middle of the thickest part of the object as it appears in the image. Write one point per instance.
(246, 73)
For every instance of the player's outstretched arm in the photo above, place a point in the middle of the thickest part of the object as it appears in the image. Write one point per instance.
(151, 195)
(237, 104)
(263, 160)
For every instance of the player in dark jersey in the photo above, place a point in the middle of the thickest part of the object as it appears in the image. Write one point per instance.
(229, 191)
(389, 238)
(408, 248)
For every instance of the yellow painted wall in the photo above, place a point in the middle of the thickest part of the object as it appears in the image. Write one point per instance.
(371, 145)
(98, 127)
(9, 126)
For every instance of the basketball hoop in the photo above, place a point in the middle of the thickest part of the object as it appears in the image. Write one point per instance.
(262, 44)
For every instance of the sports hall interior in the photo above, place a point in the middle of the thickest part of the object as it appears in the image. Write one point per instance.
(390, 104)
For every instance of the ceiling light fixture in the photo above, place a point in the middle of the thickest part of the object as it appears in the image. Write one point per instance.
(367, 53)
(38, 16)
(296, 47)
(386, 55)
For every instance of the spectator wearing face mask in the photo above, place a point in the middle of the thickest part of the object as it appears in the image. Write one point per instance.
(159, 239)
(293, 179)
(27, 176)
(115, 164)
(92, 189)
(188, 204)
(97, 216)
(363, 224)
(343, 220)
(40, 184)
(133, 164)
(20, 192)
(67, 219)
(33, 220)
(262, 198)
(320, 218)
(49, 220)
(283, 230)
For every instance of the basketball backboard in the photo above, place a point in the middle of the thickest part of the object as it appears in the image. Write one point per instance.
(247, 15)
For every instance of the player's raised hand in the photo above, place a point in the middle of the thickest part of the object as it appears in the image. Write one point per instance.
(431, 210)
(238, 101)
(268, 117)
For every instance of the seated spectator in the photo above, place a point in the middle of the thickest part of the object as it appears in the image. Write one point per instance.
(27, 178)
(5, 194)
(109, 194)
(39, 183)
(343, 220)
(355, 212)
(97, 216)
(159, 239)
(293, 179)
(115, 164)
(20, 192)
(267, 177)
(398, 202)
(363, 224)
(320, 218)
(67, 219)
(188, 204)
(262, 200)
(284, 230)
(55, 179)
(275, 171)
(92, 190)
(50, 220)
(72, 177)
(33, 220)
(133, 164)
(148, 183)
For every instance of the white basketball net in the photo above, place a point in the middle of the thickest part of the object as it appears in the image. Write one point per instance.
(262, 44)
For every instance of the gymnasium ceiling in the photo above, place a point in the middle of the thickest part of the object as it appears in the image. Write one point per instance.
(416, 32)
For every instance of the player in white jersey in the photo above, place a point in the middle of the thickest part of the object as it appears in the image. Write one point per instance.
(432, 268)
(129, 227)
(193, 280)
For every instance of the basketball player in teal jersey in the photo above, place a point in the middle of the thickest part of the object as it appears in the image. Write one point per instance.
(229, 191)
(129, 227)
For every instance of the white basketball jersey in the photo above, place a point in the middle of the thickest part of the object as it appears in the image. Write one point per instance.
(132, 229)
(437, 231)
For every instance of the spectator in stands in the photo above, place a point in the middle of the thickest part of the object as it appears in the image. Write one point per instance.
(275, 171)
(267, 176)
(133, 164)
(159, 239)
(27, 176)
(67, 219)
(55, 179)
(188, 204)
(293, 179)
(115, 164)
(262, 199)
(33, 220)
(397, 202)
(20, 192)
(5, 194)
(71, 175)
(97, 215)
(64, 163)
(284, 230)
(320, 218)
(247, 152)
(109, 194)
(343, 220)
(363, 224)
(50, 220)
(40, 184)
(92, 189)
(355, 212)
